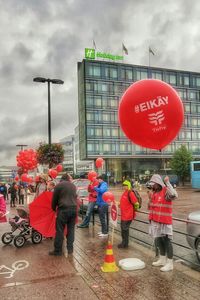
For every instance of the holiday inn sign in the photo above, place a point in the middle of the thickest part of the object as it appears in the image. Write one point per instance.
(92, 54)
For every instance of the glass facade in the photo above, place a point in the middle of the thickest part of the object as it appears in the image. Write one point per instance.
(101, 85)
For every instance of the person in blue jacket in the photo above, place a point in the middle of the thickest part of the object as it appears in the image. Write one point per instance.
(102, 206)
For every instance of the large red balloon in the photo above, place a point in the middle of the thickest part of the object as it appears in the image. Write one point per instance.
(108, 197)
(99, 162)
(151, 113)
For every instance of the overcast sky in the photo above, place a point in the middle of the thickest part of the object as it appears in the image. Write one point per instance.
(47, 38)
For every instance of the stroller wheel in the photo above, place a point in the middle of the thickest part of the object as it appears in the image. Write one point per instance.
(19, 241)
(36, 237)
(7, 238)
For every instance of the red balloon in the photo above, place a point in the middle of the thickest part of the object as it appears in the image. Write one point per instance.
(53, 173)
(37, 178)
(24, 177)
(16, 178)
(92, 175)
(99, 162)
(59, 168)
(151, 113)
(108, 197)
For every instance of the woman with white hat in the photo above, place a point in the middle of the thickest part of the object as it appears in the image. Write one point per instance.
(160, 215)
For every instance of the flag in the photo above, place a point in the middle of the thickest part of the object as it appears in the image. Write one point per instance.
(151, 51)
(94, 44)
(124, 49)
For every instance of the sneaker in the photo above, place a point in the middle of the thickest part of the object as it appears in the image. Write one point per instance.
(82, 226)
(55, 253)
(103, 235)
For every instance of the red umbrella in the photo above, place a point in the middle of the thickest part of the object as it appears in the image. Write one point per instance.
(42, 217)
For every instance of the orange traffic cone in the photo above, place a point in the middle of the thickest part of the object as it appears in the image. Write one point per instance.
(109, 264)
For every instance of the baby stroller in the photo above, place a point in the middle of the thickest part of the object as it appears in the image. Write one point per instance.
(21, 230)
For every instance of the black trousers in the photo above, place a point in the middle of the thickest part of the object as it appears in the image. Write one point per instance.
(65, 218)
(165, 246)
(125, 232)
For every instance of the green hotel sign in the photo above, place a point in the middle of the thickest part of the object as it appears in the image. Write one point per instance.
(92, 54)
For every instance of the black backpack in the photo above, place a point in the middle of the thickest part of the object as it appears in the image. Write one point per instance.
(137, 195)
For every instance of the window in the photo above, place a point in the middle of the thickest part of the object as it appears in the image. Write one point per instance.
(192, 95)
(185, 135)
(196, 81)
(98, 132)
(129, 74)
(195, 134)
(113, 103)
(94, 70)
(187, 107)
(89, 116)
(171, 78)
(105, 117)
(114, 132)
(90, 132)
(193, 108)
(194, 147)
(106, 132)
(141, 74)
(97, 101)
(182, 93)
(106, 147)
(111, 72)
(100, 87)
(157, 75)
(89, 101)
(184, 79)
(194, 122)
(89, 86)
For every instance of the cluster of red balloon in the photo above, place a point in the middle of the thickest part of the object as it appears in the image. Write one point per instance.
(53, 173)
(151, 113)
(27, 159)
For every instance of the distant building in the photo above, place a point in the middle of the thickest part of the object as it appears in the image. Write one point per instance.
(7, 174)
(72, 163)
(100, 87)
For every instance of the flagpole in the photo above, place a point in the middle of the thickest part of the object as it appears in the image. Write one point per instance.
(149, 59)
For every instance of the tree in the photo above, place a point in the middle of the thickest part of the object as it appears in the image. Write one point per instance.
(50, 155)
(180, 162)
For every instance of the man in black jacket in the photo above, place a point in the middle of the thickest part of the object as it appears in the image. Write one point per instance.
(65, 202)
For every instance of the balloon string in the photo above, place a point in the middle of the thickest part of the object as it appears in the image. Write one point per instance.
(163, 162)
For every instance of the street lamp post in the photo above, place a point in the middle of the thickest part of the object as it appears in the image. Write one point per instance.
(54, 81)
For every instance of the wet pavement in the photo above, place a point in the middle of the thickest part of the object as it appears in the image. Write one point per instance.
(30, 273)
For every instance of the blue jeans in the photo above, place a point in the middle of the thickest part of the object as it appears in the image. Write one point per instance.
(89, 212)
(103, 210)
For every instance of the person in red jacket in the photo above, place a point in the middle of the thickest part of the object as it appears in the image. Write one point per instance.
(160, 216)
(92, 202)
(128, 205)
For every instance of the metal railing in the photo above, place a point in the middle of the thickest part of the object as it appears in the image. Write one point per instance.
(139, 232)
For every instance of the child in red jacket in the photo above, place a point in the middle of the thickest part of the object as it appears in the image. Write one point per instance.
(128, 205)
